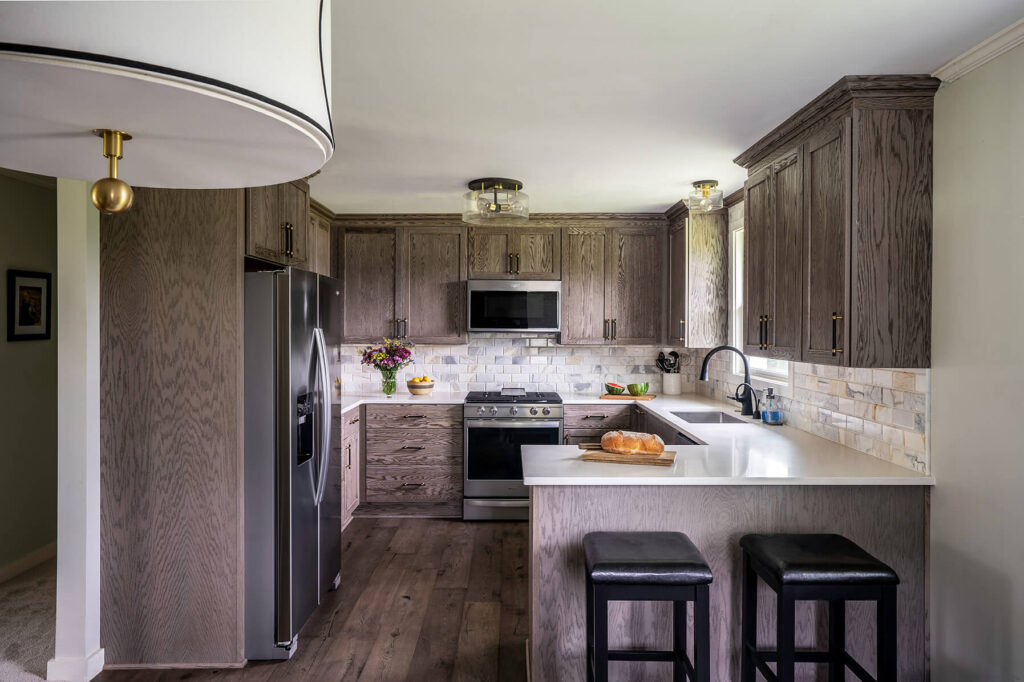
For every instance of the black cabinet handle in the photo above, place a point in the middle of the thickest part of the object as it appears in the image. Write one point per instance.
(411, 485)
(596, 416)
(614, 330)
(413, 447)
(835, 334)
(510, 270)
(606, 321)
(348, 449)
(682, 337)
(760, 332)
(517, 263)
(415, 416)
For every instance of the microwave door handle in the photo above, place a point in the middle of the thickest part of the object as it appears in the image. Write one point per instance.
(325, 416)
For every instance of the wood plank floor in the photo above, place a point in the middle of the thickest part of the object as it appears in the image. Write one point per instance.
(420, 599)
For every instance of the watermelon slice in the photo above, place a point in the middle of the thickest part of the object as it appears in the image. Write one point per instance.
(614, 389)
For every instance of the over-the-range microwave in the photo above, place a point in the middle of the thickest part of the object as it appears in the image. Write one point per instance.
(514, 306)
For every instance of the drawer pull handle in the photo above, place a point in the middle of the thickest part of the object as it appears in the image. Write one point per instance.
(596, 416)
(353, 421)
(415, 416)
(411, 485)
(414, 447)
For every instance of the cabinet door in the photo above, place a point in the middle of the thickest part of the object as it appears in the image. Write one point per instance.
(490, 253)
(787, 272)
(293, 204)
(367, 260)
(264, 228)
(538, 253)
(432, 284)
(827, 245)
(757, 258)
(351, 477)
(636, 266)
(707, 275)
(584, 286)
(676, 327)
(320, 228)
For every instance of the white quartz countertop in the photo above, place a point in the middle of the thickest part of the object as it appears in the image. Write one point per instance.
(403, 397)
(730, 454)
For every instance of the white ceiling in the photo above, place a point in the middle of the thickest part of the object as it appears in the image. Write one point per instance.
(609, 105)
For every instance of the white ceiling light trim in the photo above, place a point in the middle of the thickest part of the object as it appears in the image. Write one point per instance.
(251, 118)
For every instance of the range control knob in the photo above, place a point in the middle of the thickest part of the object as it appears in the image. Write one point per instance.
(533, 410)
(494, 411)
(513, 411)
(480, 410)
(547, 411)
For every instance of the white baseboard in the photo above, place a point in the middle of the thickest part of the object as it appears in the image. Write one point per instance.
(30, 560)
(75, 669)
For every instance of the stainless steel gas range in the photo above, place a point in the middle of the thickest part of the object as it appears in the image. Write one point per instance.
(497, 425)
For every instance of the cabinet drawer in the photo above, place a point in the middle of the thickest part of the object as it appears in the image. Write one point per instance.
(605, 417)
(350, 422)
(423, 448)
(379, 417)
(577, 436)
(413, 483)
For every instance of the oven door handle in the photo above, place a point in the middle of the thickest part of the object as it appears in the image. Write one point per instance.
(511, 424)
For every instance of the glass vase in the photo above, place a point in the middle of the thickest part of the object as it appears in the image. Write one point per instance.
(389, 384)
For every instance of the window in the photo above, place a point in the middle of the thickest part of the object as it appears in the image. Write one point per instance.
(767, 368)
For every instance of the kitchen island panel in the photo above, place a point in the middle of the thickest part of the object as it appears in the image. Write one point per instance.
(888, 521)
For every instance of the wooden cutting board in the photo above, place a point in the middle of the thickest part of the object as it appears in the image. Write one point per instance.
(626, 396)
(592, 452)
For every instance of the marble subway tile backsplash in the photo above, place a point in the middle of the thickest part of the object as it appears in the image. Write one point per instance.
(881, 412)
(536, 363)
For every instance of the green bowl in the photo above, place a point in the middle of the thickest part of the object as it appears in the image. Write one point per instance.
(638, 389)
(614, 390)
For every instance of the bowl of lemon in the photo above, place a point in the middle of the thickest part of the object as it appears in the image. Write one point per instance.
(420, 385)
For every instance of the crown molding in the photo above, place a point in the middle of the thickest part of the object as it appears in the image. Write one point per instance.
(536, 220)
(982, 53)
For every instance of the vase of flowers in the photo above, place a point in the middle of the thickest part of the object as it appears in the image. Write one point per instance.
(389, 357)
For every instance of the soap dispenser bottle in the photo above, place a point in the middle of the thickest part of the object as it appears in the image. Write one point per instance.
(771, 408)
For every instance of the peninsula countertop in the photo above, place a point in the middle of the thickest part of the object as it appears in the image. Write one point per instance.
(749, 453)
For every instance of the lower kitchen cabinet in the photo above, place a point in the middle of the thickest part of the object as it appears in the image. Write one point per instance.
(598, 417)
(351, 457)
(413, 457)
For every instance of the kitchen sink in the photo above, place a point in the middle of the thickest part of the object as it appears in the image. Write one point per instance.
(709, 417)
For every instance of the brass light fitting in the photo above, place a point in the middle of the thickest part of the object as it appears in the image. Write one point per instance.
(111, 195)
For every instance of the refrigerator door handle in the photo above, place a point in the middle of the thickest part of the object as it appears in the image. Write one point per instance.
(325, 417)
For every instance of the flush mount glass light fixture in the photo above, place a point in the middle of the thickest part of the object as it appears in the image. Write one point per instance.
(705, 197)
(492, 201)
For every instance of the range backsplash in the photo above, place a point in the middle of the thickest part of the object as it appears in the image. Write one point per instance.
(881, 412)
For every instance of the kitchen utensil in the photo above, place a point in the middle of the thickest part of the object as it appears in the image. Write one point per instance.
(674, 362)
(638, 389)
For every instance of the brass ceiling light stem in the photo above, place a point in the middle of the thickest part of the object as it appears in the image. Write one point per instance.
(111, 195)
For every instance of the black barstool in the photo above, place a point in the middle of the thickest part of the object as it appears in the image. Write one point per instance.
(648, 567)
(815, 568)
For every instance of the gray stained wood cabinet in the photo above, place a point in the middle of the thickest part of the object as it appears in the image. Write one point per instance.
(613, 285)
(403, 282)
(527, 252)
(320, 240)
(351, 457)
(838, 228)
(698, 279)
(278, 227)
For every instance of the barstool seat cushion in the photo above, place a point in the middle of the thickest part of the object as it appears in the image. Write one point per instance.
(644, 558)
(817, 559)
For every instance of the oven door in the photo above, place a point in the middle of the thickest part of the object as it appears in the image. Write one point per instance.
(493, 465)
(514, 306)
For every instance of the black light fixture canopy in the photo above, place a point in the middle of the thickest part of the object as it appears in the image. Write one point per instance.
(487, 184)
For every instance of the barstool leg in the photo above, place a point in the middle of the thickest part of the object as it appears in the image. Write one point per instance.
(748, 636)
(886, 630)
(702, 634)
(590, 629)
(600, 635)
(679, 640)
(785, 637)
(837, 640)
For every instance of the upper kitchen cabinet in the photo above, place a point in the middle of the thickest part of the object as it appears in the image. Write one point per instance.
(772, 229)
(320, 239)
(698, 278)
(852, 169)
(528, 252)
(612, 284)
(278, 228)
(402, 281)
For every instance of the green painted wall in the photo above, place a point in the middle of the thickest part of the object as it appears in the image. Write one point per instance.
(28, 377)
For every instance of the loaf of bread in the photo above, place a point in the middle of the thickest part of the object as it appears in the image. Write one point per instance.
(631, 442)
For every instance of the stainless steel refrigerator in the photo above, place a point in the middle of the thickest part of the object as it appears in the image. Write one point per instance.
(292, 505)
